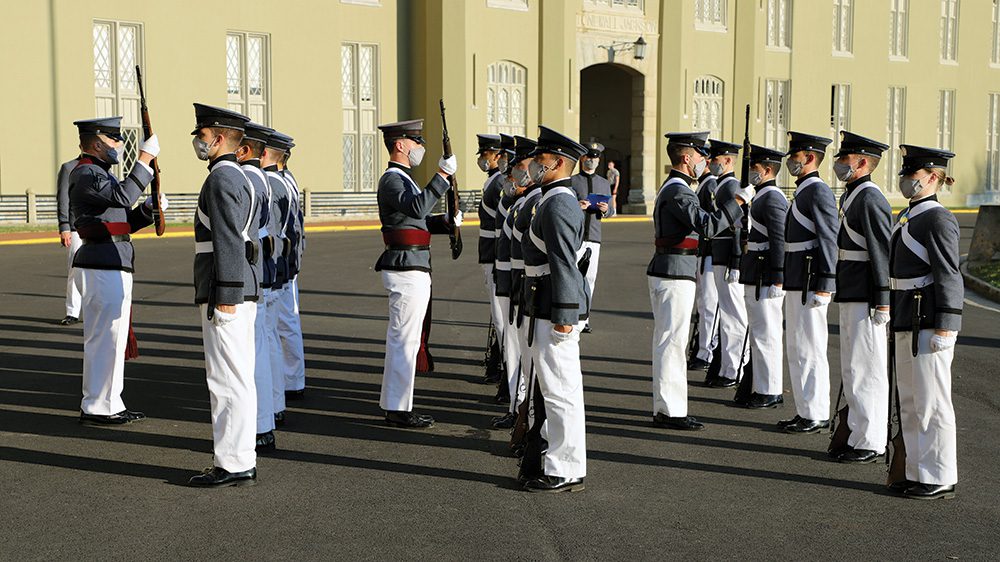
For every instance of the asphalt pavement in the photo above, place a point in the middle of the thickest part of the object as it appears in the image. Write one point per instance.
(345, 486)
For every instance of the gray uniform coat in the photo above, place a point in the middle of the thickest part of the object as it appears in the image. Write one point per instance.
(870, 216)
(584, 184)
(811, 221)
(767, 218)
(277, 225)
(520, 223)
(503, 248)
(402, 205)
(63, 213)
(488, 216)
(295, 232)
(707, 186)
(727, 245)
(677, 215)
(262, 201)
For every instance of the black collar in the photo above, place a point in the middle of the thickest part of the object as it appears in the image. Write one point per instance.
(229, 156)
(492, 171)
(768, 183)
(932, 197)
(565, 182)
(97, 161)
(403, 167)
(812, 174)
(727, 175)
(859, 181)
(271, 168)
(675, 173)
(255, 162)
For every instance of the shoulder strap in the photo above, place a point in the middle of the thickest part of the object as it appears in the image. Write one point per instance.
(253, 197)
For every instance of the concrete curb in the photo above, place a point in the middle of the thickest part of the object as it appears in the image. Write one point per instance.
(978, 285)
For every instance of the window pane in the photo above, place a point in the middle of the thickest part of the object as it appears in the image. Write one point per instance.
(127, 58)
(102, 56)
(347, 75)
(234, 66)
(255, 66)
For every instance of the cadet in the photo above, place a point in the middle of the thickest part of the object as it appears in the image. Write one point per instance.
(104, 219)
(506, 388)
(289, 322)
(555, 295)
(863, 294)
(248, 155)
(226, 286)
(762, 275)
(279, 217)
(706, 294)
(407, 225)
(927, 296)
(727, 248)
(489, 162)
(678, 221)
(70, 240)
(810, 278)
(585, 184)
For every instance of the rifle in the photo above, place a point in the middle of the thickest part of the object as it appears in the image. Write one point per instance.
(896, 449)
(154, 185)
(838, 427)
(452, 203)
(744, 183)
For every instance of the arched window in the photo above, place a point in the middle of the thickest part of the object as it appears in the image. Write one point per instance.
(506, 94)
(706, 113)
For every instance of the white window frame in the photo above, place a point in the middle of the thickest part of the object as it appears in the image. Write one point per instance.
(992, 171)
(777, 111)
(840, 114)
(899, 30)
(242, 99)
(995, 51)
(707, 105)
(895, 128)
(617, 5)
(779, 25)
(506, 98)
(948, 30)
(360, 102)
(374, 3)
(946, 120)
(843, 27)
(120, 95)
(516, 5)
(710, 15)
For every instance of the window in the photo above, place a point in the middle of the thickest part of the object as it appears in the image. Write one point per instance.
(710, 14)
(843, 26)
(895, 126)
(993, 145)
(949, 30)
(899, 11)
(617, 4)
(248, 73)
(707, 110)
(117, 51)
(506, 97)
(779, 24)
(995, 56)
(840, 114)
(359, 74)
(946, 119)
(519, 5)
(777, 97)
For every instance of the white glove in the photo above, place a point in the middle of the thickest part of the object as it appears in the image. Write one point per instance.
(457, 219)
(880, 317)
(746, 194)
(151, 146)
(559, 337)
(448, 165)
(775, 292)
(220, 318)
(942, 343)
(164, 202)
(733, 276)
(816, 301)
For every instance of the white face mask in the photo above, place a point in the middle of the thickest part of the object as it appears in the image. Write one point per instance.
(844, 171)
(502, 163)
(590, 164)
(795, 167)
(699, 168)
(416, 155)
(508, 188)
(483, 164)
(755, 178)
(521, 177)
(910, 187)
(536, 171)
(201, 148)
(716, 168)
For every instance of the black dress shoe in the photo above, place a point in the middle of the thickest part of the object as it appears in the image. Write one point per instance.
(901, 486)
(920, 491)
(698, 364)
(586, 328)
(686, 423)
(502, 396)
(279, 418)
(69, 320)
(265, 442)
(858, 456)
(765, 401)
(805, 426)
(408, 419)
(295, 394)
(723, 382)
(505, 421)
(216, 477)
(785, 423)
(553, 484)
(121, 418)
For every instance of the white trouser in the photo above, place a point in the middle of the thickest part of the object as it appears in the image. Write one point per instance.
(229, 368)
(409, 293)
(806, 337)
(707, 301)
(927, 414)
(511, 352)
(591, 277)
(733, 343)
(274, 352)
(556, 358)
(106, 305)
(863, 350)
(290, 332)
(263, 381)
(671, 300)
(496, 315)
(74, 297)
(764, 316)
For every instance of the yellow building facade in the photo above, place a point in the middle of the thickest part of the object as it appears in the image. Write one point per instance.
(327, 72)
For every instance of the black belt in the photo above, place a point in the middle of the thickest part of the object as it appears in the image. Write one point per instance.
(108, 240)
(406, 247)
(678, 251)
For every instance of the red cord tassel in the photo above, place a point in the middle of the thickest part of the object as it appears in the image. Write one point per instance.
(132, 346)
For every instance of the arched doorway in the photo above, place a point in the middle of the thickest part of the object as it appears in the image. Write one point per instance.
(611, 112)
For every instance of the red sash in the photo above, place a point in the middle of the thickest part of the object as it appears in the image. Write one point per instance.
(684, 244)
(406, 237)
